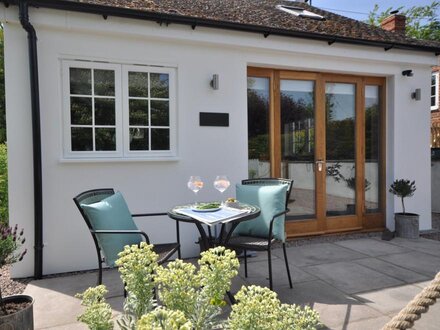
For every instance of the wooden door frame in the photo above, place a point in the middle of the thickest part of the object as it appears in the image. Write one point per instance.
(323, 224)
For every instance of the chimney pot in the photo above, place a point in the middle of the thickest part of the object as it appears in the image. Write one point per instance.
(394, 23)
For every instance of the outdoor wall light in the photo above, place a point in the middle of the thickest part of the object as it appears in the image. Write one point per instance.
(407, 73)
(417, 94)
(215, 82)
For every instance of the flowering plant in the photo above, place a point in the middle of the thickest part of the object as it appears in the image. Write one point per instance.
(11, 241)
(191, 298)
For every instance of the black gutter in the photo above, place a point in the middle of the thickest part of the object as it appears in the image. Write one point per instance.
(106, 11)
(36, 137)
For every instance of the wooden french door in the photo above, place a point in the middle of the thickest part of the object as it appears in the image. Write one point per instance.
(326, 132)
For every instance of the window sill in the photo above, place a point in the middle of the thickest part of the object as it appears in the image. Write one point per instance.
(119, 160)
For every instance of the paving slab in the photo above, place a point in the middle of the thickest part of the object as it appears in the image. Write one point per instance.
(389, 301)
(334, 307)
(418, 262)
(316, 254)
(372, 247)
(351, 278)
(258, 274)
(394, 271)
(369, 324)
(421, 244)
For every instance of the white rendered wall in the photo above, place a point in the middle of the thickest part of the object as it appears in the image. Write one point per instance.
(151, 186)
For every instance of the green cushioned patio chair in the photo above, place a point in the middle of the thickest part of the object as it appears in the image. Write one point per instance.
(112, 227)
(272, 196)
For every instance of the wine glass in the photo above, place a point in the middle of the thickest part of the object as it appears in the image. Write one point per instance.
(221, 183)
(195, 183)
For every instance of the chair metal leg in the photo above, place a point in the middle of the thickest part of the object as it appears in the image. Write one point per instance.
(245, 263)
(287, 265)
(100, 273)
(270, 269)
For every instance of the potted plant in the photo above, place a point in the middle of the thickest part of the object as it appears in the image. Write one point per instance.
(16, 311)
(407, 224)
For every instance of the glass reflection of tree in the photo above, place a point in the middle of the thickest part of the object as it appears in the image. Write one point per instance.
(299, 115)
(372, 135)
(340, 133)
(258, 124)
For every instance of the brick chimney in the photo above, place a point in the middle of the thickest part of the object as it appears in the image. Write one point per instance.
(395, 23)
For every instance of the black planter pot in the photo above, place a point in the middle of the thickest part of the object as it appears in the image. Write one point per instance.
(21, 320)
(407, 225)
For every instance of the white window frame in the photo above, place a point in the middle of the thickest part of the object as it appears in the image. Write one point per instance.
(122, 151)
(172, 113)
(436, 91)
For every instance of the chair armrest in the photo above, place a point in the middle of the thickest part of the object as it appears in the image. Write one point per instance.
(148, 214)
(122, 231)
(273, 220)
(161, 214)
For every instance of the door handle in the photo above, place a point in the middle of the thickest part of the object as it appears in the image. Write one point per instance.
(320, 164)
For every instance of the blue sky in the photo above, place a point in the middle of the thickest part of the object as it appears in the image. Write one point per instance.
(355, 8)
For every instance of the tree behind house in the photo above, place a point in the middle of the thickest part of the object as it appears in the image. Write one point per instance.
(422, 22)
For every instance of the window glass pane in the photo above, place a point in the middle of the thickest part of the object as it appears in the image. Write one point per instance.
(81, 111)
(80, 81)
(82, 139)
(138, 138)
(105, 112)
(160, 113)
(258, 127)
(298, 144)
(138, 112)
(340, 148)
(160, 139)
(159, 85)
(372, 148)
(105, 139)
(138, 84)
(104, 82)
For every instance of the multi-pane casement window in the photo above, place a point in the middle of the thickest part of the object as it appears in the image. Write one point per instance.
(118, 111)
(435, 91)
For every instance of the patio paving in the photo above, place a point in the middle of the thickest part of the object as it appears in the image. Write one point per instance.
(353, 284)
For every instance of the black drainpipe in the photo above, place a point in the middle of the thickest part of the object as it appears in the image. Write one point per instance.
(36, 138)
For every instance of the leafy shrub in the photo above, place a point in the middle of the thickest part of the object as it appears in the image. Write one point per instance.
(98, 313)
(403, 188)
(191, 298)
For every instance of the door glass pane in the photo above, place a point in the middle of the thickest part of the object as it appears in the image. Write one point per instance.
(298, 144)
(340, 148)
(258, 127)
(372, 148)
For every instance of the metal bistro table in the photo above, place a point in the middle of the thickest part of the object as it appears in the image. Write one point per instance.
(206, 239)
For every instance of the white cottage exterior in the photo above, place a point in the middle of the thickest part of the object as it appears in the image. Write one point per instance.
(156, 181)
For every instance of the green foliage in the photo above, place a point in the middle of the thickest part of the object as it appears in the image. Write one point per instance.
(10, 242)
(422, 22)
(260, 309)
(191, 299)
(178, 284)
(137, 265)
(98, 313)
(403, 188)
(4, 211)
(164, 319)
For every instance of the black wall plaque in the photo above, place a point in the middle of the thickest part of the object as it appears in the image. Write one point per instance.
(214, 119)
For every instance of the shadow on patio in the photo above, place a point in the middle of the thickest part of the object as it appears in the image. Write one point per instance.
(353, 284)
